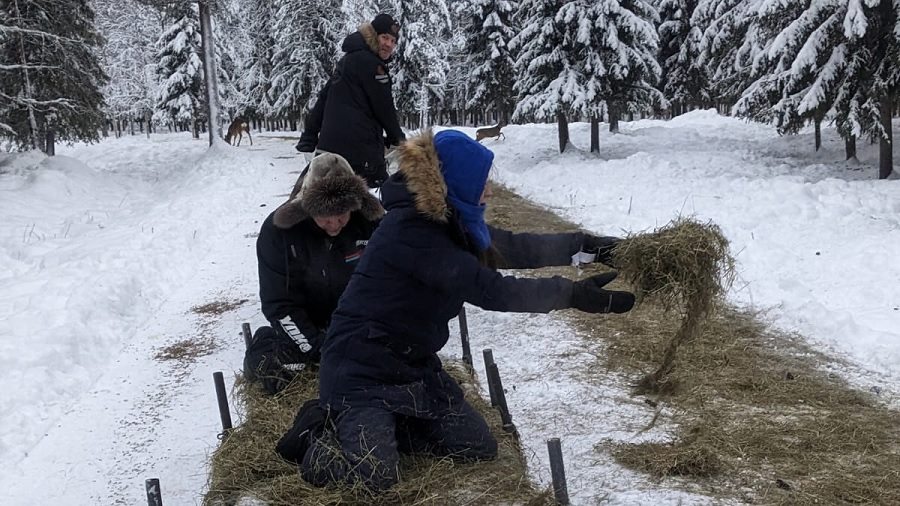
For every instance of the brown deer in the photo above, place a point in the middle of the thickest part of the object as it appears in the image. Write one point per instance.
(494, 131)
(236, 131)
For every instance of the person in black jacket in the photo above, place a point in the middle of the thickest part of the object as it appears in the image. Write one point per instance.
(354, 115)
(307, 250)
(381, 383)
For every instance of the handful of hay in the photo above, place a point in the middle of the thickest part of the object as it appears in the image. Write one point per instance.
(683, 264)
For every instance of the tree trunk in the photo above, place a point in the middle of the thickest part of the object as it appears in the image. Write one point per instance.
(850, 147)
(563, 128)
(207, 47)
(613, 113)
(886, 153)
(818, 122)
(50, 146)
(595, 135)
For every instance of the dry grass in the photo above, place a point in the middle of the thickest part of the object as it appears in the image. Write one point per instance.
(758, 418)
(246, 465)
(218, 307)
(187, 350)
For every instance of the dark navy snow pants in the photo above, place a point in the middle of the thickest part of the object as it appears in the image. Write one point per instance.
(366, 445)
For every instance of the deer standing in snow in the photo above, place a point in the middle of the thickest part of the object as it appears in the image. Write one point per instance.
(236, 131)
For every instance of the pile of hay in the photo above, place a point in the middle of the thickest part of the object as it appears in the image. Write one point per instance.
(246, 468)
(684, 264)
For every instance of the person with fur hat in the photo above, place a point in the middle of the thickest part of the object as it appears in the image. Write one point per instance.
(382, 388)
(307, 249)
(354, 115)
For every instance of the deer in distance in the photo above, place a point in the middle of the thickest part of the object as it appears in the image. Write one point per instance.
(236, 131)
(489, 132)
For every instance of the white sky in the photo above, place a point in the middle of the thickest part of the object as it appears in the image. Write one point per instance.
(107, 247)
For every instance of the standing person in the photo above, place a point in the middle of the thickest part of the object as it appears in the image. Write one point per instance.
(381, 384)
(354, 115)
(307, 250)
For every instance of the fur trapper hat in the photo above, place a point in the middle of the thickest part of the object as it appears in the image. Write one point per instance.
(328, 188)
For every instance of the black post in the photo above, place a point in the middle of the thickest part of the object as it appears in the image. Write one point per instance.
(557, 471)
(154, 496)
(505, 416)
(488, 362)
(464, 335)
(222, 396)
(248, 336)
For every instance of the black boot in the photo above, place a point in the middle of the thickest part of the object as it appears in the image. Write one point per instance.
(309, 424)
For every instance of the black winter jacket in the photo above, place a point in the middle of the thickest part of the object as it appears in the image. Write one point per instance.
(354, 115)
(417, 272)
(303, 271)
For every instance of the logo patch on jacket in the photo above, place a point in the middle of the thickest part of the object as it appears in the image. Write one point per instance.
(381, 75)
(352, 257)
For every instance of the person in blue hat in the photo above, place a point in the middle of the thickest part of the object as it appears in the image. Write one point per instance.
(382, 388)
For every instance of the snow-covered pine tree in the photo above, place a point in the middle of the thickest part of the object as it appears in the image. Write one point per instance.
(800, 65)
(128, 56)
(545, 69)
(615, 44)
(180, 68)
(421, 67)
(881, 36)
(458, 78)
(357, 12)
(725, 46)
(303, 56)
(232, 49)
(256, 74)
(50, 77)
(489, 61)
(684, 82)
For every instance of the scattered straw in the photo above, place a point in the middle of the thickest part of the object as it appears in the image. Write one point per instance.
(684, 264)
(218, 307)
(246, 465)
(757, 417)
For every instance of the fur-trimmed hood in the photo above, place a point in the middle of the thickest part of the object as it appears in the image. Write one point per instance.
(421, 169)
(365, 37)
(328, 188)
(445, 170)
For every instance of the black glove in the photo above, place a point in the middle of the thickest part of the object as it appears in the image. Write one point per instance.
(589, 296)
(273, 359)
(307, 143)
(601, 246)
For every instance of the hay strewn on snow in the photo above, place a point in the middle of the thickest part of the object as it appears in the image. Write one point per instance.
(684, 264)
(759, 417)
(246, 465)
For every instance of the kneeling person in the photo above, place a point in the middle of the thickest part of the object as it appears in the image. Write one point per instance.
(307, 249)
(383, 390)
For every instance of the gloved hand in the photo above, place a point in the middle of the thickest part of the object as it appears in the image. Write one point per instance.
(589, 296)
(600, 246)
(274, 359)
(307, 143)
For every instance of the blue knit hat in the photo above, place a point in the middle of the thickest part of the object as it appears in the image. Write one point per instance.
(465, 165)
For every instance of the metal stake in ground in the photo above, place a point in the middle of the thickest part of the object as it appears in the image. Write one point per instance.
(222, 396)
(248, 336)
(464, 335)
(488, 361)
(154, 496)
(505, 417)
(558, 471)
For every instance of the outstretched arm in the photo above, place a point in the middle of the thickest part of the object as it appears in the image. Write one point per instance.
(531, 251)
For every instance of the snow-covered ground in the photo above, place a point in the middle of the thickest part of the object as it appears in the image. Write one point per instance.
(109, 246)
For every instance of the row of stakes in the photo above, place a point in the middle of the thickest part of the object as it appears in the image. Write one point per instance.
(495, 390)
